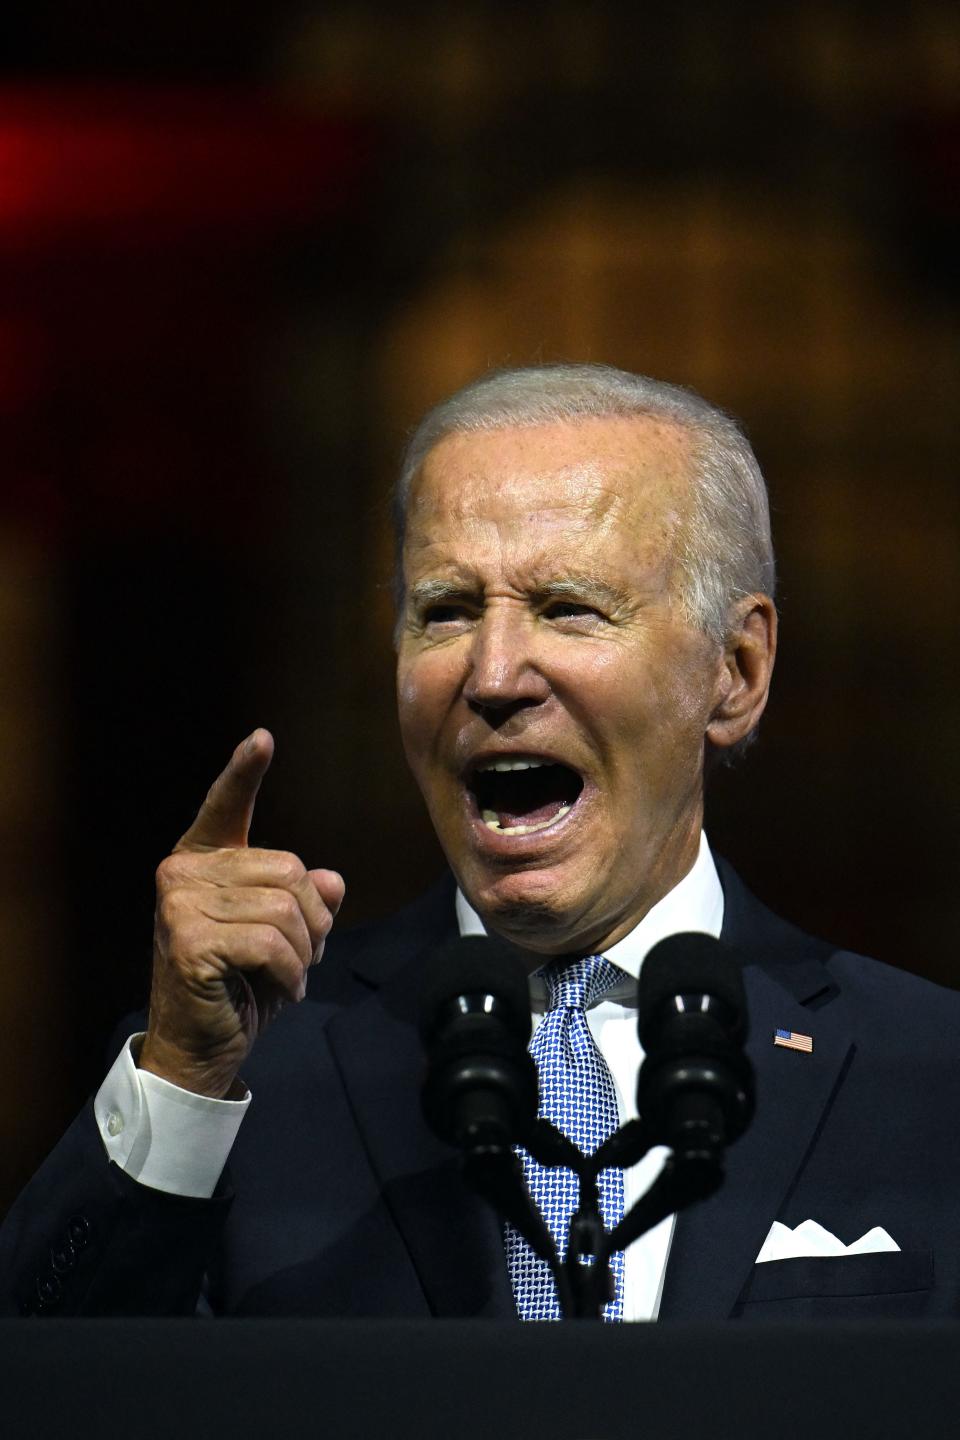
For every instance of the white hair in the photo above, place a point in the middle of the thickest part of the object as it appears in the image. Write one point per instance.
(725, 547)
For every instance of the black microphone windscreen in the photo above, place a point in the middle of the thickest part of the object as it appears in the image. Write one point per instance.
(690, 964)
(475, 965)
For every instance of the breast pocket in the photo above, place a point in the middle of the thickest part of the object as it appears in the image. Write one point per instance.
(889, 1284)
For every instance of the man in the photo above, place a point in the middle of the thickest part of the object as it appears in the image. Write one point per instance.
(586, 625)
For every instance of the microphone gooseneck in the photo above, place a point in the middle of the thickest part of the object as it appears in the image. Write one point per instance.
(480, 1091)
(695, 1094)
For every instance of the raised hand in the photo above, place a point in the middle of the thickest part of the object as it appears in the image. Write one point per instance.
(236, 930)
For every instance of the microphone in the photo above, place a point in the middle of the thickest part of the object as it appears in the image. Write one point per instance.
(695, 1091)
(480, 1092)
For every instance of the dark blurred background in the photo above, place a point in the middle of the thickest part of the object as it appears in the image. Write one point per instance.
(243, 246)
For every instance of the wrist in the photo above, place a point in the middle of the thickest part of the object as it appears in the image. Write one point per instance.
(214, 1079)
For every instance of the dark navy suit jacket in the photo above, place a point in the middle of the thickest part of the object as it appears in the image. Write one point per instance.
(339, 1201)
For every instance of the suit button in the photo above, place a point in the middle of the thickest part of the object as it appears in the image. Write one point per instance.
(78, 1231)
(49, 1291)
(63, 1260)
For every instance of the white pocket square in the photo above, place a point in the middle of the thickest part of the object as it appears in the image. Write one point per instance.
(810, 1239)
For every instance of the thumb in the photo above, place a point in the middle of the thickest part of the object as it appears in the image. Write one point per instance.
(224, 818)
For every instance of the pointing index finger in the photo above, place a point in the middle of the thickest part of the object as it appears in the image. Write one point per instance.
(224, 818)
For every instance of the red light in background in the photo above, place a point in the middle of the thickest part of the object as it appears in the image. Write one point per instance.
(132, 226)
(127, 162)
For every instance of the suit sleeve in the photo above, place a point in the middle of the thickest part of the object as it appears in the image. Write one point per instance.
(85, 1239)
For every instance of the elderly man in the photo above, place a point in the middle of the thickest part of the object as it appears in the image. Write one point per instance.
(586, 625)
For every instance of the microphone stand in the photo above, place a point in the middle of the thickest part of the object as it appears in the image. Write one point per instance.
(496, 1172)
(691, 1172)
(583, 1278)
(695, 1090)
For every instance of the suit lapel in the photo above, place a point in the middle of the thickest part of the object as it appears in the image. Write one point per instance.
(453, 1237)
(715, 1244)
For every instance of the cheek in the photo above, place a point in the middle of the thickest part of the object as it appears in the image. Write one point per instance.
(684, 700)
(423, 686)
(410, 707)
(408, 689)
(647, 701)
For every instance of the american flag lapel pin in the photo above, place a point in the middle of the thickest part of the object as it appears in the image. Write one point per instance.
(793, 1040)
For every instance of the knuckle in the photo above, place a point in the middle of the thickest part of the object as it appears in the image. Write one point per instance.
(285, 906)
(171, 908)
(181, 869)
(290, 868)
(166, 873)
(275, 946)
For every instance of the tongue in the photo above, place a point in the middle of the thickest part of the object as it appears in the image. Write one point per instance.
(536, 815)
(532, 797)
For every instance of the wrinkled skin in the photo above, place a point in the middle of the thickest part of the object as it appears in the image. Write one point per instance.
(542, 619)
(236, 930)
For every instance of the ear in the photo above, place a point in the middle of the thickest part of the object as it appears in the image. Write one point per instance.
(746, 670)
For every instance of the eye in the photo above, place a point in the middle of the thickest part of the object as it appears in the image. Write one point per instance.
(571, 610)
(560, 609)
(446, 614)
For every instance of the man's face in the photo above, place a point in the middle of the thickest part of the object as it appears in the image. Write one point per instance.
(553, 701)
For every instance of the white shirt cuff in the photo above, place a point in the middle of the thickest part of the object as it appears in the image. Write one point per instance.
(162, 1136)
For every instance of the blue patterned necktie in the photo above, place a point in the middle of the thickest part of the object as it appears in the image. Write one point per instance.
(578, 1095)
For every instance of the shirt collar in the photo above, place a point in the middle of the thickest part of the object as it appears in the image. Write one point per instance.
(694, 903)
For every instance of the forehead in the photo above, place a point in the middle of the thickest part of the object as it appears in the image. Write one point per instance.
(598, 480)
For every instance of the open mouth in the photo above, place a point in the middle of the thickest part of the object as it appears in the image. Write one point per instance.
(520, 796)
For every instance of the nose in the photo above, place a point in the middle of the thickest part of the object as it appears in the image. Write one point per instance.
(503, 674)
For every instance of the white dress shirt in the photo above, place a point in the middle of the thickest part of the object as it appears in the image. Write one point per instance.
(696, 903)
(165, 1137)
(174, 1140)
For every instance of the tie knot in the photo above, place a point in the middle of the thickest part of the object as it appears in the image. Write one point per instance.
(579, 983)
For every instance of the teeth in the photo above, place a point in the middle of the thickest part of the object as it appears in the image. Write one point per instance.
(504, 765)
(489, 818)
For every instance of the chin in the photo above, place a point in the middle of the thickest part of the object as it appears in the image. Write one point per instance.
(528, 908)
(530, 926)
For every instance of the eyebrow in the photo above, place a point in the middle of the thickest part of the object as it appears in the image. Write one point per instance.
(428, 592)
(583, 587)
(576, 587)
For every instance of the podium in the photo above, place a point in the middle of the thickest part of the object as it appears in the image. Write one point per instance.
(477, 1380)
